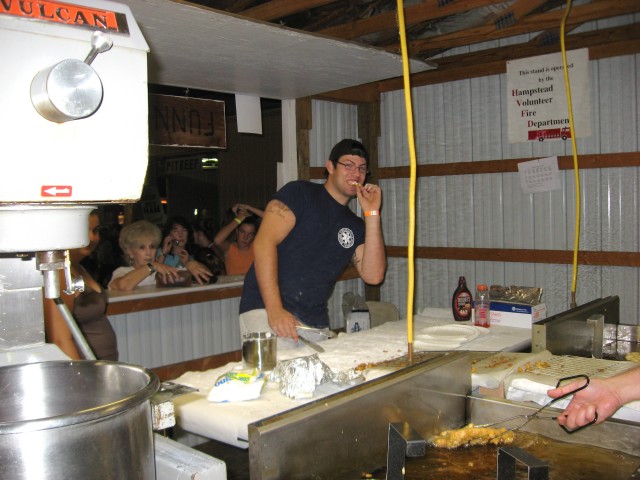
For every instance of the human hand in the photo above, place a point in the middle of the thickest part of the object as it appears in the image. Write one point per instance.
(598, 400)
(199, 271)
(183, 254)
(167, 245)
(168, 274)
(369, 196)
(283, 323)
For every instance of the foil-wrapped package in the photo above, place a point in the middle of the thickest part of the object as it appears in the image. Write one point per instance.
(300, 376)
(513, 294)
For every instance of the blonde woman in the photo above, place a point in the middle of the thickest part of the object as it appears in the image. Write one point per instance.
(139, 242)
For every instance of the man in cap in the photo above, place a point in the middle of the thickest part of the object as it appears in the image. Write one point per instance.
(307, 237)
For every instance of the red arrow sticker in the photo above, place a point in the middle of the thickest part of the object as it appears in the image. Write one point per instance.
(56, 190)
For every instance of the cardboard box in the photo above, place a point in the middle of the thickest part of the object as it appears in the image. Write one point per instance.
(517, 315)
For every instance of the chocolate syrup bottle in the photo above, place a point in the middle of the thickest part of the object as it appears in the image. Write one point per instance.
(462, 302)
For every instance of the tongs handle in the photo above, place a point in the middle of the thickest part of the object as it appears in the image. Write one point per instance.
(572, 392)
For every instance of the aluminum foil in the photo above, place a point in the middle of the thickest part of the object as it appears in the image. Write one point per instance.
(525, 295)
(300, 376)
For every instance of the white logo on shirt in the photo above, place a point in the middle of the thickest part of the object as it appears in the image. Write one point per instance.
(346, 237)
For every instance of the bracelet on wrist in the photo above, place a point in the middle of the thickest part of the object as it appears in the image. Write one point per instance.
(151, 269)
(238, 220)
(371, 213)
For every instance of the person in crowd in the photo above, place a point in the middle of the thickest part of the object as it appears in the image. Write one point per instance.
(307, 237)
(174, 251)
(601, 399)
(235, 239)
(88, 307)
(107, 254)
(202, 233)
(139, 241)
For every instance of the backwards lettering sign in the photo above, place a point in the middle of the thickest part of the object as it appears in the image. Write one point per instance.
(186, 122)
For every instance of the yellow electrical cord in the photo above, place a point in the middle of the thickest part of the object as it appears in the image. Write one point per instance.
(412, 179)
(412, 170)
(576, 171)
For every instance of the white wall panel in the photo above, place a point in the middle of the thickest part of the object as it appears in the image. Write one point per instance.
(333, 122)
(170, 335)
(467, 121)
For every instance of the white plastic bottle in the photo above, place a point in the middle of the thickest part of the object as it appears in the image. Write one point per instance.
(482, 307)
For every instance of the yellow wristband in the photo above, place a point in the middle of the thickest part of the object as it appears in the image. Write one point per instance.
(371, 213)
(238, 221)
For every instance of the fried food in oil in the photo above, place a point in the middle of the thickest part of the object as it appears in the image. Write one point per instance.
(471, 435)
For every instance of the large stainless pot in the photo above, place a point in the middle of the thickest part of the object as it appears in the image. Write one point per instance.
(76, 420)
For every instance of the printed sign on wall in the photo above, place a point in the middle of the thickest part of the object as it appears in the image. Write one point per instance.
(539, 175)
(537, 98)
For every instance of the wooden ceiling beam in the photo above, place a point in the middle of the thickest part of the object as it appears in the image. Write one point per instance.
(426, 11)
(514, 13)
(276, 9)
(544, 21)
(606, 43)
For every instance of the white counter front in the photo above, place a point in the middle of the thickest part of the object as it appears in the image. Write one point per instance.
(228, 422)
(156, 327)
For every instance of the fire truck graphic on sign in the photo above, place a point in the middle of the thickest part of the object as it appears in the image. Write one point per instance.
(540, 135)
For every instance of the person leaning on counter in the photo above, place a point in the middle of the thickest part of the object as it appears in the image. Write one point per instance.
(139, 242)
(177, 233)
(307, 236)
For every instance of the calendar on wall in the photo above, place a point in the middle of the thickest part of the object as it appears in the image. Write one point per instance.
(539, 175)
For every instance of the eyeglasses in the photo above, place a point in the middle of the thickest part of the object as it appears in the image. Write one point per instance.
(350, 167)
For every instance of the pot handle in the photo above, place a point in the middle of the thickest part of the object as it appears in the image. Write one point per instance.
(100, 43)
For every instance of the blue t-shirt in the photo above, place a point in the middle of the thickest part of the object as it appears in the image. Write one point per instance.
(313, 255)
(172, 260)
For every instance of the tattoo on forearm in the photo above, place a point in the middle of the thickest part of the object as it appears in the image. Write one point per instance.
(355, 260)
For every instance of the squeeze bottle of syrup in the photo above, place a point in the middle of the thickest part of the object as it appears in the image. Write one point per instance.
(462, 301)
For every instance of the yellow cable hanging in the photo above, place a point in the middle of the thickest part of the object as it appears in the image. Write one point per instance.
(576, 241)
(412, 180)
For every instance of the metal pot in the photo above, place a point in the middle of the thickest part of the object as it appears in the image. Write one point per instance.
(69, 90)
(76, 420)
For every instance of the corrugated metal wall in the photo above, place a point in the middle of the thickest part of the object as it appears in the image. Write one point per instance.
(331, 123)
(171, 335)
(467, 121)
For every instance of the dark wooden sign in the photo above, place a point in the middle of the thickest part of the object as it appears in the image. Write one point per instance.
(186, 122)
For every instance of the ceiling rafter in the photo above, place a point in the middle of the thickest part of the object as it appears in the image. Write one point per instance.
(277, 9)
(434, 27)
(534, 23)
(415, 14)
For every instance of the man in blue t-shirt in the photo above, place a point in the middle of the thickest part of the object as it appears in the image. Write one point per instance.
(307, 236)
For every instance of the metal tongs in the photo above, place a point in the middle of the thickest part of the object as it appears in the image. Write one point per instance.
(527, 418)
(321, 331)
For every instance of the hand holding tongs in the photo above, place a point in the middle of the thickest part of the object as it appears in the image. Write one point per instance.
(535, 414)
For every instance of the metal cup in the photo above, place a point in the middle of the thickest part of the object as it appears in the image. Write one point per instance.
(259, 350)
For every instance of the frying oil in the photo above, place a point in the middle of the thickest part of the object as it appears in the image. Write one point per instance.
(567, 461)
